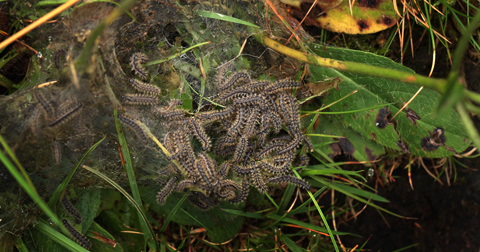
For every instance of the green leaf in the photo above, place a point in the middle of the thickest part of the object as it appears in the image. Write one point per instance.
(102, 245)
(373, 91)
(88, 204)
(364, 149)
(219, 16)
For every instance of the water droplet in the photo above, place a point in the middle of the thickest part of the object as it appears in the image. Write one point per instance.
(371, 172)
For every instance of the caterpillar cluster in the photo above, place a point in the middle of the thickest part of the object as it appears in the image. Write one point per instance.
(55, 117)
(259, 135)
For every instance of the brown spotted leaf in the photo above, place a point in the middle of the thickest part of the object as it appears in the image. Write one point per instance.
(369, 16)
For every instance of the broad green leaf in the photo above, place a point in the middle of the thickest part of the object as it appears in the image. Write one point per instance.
(374, 91)
(365, 16)
(364, 149)
(88, 204)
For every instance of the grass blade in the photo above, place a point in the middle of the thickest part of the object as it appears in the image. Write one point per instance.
(58, 237)
(27, 185)
(142, 215)
(129, 169)
(214, 15)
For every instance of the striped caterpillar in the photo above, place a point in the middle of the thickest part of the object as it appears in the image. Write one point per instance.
(46, 105)
(290, 180)
(81, 239)
(135, 126)
(136, 63)
(145, 87)
(66, 116)
(167, 189)
(71, 209)
(140, 99)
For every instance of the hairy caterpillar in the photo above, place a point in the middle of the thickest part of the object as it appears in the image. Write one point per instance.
(199, 132)
(71, 209)
(66, 116)
(134, 125)
(145, 87)
(81, 239)
(242, 196)
(140, 99)
(167, 189)
(46, 105)
(236, 78)
(136, 63)
(290, 180)
(282, 85)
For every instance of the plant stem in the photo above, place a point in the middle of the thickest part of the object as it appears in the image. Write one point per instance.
(354, 67)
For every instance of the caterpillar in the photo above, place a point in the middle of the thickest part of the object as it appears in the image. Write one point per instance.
(199, 132)
(136, 63)
(36, 122)
(46, 105)
(176, 114)
(292, 146)
(237, 125)
(276, 169)
(257, 86)
(242, 196)
(258, 182)
(166, 190)
(290, 180)
(57, 58)
(227, 151)
(235, 94)
(240, 150)
(81, 239)
(225, 194)
(220, 77)
(134, 125)
(215, 114)
(282, 85)
(145, 87)
(71, 209)
(206, 168)
(66, 116)
(251, 123)
(236, 78)
(275, 146)
(57, 152)
(244, 170)
(224, 169)
(223, 142)
(184, 184)
(251, 100)
(307, 143)
(173, 103)
(140, 99)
